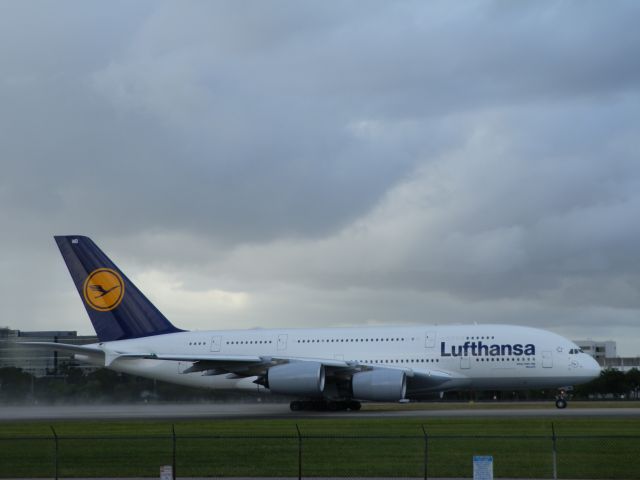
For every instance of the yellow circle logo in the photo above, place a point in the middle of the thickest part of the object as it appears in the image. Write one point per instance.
(103, 289)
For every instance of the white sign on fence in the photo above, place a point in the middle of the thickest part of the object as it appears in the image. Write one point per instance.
(482, 467)
(166, 472)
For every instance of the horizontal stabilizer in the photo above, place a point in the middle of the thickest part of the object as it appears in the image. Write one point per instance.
(65, 347)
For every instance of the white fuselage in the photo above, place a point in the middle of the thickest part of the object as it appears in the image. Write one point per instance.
(479, 357)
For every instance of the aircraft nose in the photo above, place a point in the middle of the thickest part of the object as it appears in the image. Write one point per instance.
(592, 367)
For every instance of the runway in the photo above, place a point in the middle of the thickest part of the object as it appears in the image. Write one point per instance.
(277, 410)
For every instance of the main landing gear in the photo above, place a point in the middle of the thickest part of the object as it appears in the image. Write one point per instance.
(324, 405)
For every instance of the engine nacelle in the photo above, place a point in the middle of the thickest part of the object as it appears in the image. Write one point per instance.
(297, 378)
(380, 385)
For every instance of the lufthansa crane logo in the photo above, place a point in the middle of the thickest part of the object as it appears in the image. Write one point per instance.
(103, 289)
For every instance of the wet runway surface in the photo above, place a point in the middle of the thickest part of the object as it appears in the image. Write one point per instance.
(274, 410)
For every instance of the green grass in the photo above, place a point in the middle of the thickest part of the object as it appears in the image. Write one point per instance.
(587, 447)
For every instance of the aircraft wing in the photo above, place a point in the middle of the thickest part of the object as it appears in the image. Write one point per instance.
(247, 365)
(240, 365)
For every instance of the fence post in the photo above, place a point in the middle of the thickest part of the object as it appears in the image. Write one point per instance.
(555, 452)
(299, 453)
(173, 456)
(426, 452)
(55, 452)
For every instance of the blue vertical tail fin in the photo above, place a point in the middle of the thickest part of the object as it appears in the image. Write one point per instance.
(117, 309)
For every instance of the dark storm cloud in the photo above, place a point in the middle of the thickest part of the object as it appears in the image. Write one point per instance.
(303, 168)
(207, 111)
(480, 152)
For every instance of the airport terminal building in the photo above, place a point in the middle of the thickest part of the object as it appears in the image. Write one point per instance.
(605, 353)
(38, 362)
(600, 350)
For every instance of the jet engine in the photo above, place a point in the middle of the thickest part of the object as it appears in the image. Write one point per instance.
(380, 385)
(297, 378)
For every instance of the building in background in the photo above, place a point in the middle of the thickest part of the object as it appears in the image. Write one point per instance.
(606, 355)
(598, 350)
(39, 362)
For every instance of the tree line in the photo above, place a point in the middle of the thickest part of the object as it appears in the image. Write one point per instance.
(611, 382)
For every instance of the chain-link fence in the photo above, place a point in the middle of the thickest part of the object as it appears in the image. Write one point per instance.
(300, 455)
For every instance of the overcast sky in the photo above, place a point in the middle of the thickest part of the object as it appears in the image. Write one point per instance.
(299, 163)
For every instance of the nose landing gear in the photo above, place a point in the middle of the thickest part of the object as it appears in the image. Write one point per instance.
(561, 399)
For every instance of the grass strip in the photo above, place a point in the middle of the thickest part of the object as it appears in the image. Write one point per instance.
(342, 447)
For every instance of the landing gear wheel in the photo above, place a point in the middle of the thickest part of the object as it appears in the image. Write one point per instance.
(561, 403)
(354, 405)
(296, 406)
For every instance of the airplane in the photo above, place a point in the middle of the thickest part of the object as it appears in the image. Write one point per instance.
(325, 368)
